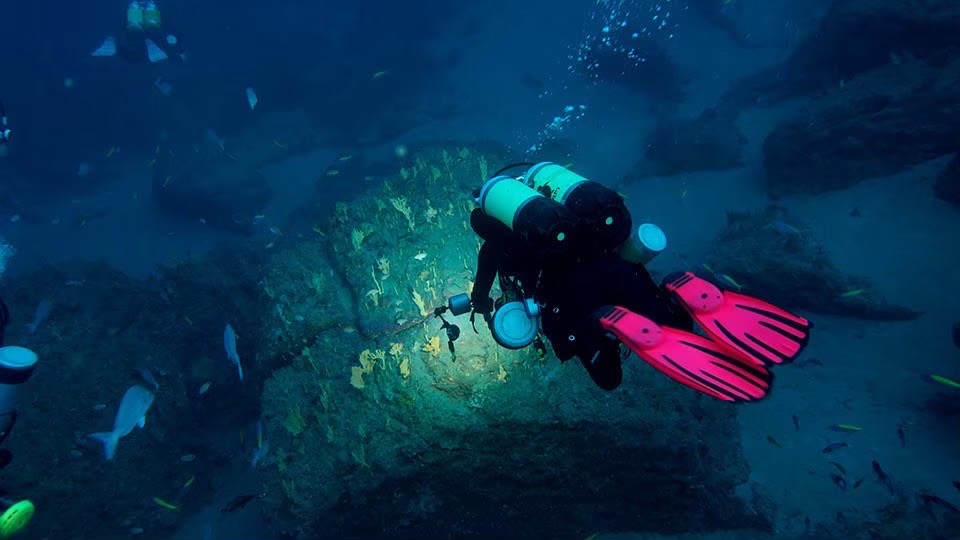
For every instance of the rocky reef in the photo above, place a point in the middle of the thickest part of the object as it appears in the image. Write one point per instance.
(376, 425)
(880, 123)
(384, 428)
(775, 257)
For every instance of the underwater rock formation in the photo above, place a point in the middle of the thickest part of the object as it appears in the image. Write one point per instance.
(880, 123)
(776, 259)
(224, 194)
(380, 428)
(948, 184)
(103, 333)
(759, 24)
(709, 142)
(838, 50)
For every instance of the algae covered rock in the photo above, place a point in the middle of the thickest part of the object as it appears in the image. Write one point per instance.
(399, 439)
(775, 258)
(392, 431)
(879, 124)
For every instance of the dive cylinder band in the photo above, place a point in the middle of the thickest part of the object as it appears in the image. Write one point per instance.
(600, 211)
(16, 367)
(544, 224)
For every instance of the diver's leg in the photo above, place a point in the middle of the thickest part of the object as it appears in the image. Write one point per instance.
(604, 366)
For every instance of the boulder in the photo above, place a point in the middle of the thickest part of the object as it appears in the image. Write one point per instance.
(774, 257)
(948, 184)
(709, 142)
(881, 123)
(855, 36)
(382, 428)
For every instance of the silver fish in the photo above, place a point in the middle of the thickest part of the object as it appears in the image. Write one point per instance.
(132, 413)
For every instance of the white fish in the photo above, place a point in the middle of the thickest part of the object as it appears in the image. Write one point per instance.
(230, 345)
(260, 453)
(154, 54)
(252, 98)
(43, 311)
(203, 389)
(132, 413)
(108, 48)
(420, 256)
(163, 86)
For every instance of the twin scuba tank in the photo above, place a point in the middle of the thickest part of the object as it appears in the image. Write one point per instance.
(143, 15)
(560, 215)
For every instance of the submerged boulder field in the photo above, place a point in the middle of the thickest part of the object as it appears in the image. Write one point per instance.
(383, 427)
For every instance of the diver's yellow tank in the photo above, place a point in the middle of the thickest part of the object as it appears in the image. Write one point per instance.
(151, 15)
(502, 198)
(545, 225)
(554, 181)
(604, 222)
(15, 518)
(134, 16)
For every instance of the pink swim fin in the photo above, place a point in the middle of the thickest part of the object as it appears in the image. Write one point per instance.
(687, 358)
(753, 328)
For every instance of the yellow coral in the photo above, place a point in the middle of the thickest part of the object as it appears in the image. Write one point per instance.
(405, 368)
(433, 346)
(421, 305)
(502, 374)
(294, 421)
(356, 377)
(360, 234)
(396, 349)
(366, 363)
(400, 204)
(483, 168)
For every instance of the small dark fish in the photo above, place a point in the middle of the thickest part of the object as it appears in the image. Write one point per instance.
(839, 467)
(814, 362)
(882, 477)
(902, 434)
(796, 423)
(841, 518)
(773, 441)
(929, 500)
(858, 482)
(839, 481)
(237, 503)
(806, 525)
(833, 447)
(956, 484)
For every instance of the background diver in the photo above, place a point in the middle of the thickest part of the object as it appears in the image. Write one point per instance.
(146, 36)
(571, 266)
(16, 367)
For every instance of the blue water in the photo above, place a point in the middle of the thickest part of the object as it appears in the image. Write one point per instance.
(143, 206)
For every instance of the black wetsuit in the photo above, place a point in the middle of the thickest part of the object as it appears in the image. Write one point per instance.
(570, 292)
(6, 420)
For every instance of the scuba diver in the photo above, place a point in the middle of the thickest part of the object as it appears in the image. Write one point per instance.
(4, 132)
(571, 266)
(146, 36)
(16, 367)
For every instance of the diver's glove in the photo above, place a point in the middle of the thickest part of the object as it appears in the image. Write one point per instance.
(484, 306)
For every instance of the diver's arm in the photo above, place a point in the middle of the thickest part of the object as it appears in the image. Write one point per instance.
(488, 261)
